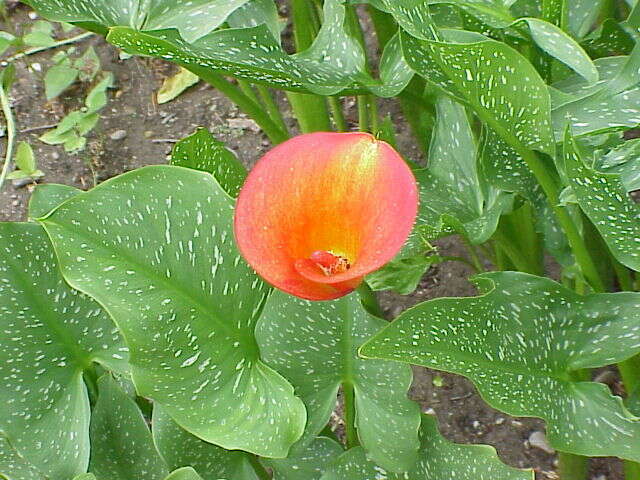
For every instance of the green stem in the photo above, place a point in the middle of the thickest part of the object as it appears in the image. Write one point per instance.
(261, 472)
(248, 106)
(11, 134)
(373, 114)
(631, 470)
(363, 113)
(247, 89)
(550, 184)
(56, 44)
(271, 106)
(335, 105)
(572, 467)
(350, 415)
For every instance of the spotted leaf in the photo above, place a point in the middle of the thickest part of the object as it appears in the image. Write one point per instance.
(48, 196)
(451, 194)
(603, 198)
(193, 18)
(179, 448)
(184, 473)
(50, 335)
(13, 466)
(438, 459)
(314, 345)
(201, 151)
(495, 80)
(307, 463)
(121, 443)
(611, 104)
(155, 247)
(521, 344)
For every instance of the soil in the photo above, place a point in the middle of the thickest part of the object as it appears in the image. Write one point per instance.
(149, 133)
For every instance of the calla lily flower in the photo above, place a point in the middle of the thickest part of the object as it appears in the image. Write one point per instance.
(320, 211)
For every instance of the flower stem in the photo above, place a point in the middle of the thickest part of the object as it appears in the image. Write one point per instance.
(11, 133)
(369, 300)
(350, 415)
(335, 105)
(363, 113)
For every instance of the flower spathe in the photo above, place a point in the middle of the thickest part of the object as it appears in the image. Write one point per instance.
(322, 210)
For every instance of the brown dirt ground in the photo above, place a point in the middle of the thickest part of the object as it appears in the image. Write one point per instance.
(151, 130)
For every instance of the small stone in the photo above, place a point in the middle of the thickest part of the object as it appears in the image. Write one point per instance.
(600, 477)
(55, 156)
(33, 15)
(22, 182)
(15, 203)
(243, 124)
(148, 134)
(37, 67)
(499, 421)
(476, 424)
(538, 440)
(118, 135)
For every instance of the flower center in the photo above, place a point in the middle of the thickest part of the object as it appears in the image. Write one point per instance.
(329, 262)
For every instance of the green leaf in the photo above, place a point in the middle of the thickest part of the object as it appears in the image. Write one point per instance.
(155, 247)
(74, 142)
(173, 86)
(13, 466)
(58, 78)
(451, 194)
(51, 333)
(582, 14)
(257, 12)
(334, 64)
(201, 151)
(633, 402)
(97, 97)
(25, 160)
(88, 65)
(624, 161)
(185, 473)
(402, 275)
(314, 345)
(561, 46)
(308, 464)
(85, 476)
(180, 448)
(610, 105)
(609, 39)
(194, 19)
(521, 344)
(48, 196)
(438, 459)
(603, 198)
(503, 88)
(6, 40)
(40, 35)
(121, 443)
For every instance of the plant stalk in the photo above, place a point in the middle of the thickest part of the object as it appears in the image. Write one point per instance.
(363, 113)
(56, 44)
(335, 105)
(271, 106)
(261, 472)
(248, 106)
(11, 134)
(350, 415)
(369, 300)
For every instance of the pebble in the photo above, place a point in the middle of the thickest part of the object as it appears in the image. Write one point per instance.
(538, 440)
(118, 135)
(55, 156)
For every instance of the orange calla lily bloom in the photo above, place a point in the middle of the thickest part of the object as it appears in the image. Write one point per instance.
(320, 211)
